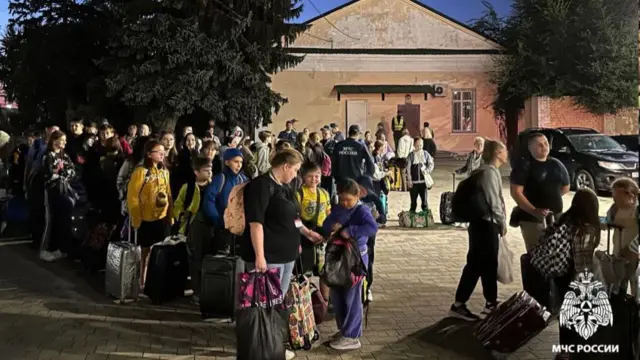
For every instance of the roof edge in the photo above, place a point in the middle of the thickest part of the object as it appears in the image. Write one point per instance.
(417, 2)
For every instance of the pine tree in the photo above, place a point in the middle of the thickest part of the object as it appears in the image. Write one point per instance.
(585, 49)
(47, 56)
(169, 57)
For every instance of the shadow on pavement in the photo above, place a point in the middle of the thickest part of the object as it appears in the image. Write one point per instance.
(30, 336)
(451, 333)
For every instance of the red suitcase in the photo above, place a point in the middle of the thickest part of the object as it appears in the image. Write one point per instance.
(512, 324)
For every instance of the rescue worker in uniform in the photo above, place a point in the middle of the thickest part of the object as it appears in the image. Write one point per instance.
(397, 125)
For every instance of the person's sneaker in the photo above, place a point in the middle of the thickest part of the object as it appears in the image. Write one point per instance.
(489, 308)
(335, 336)
(59, 254)
(288, 354)
(369, 296)
(345, 343)
(47, 256)
(195, 299)
(462, 312)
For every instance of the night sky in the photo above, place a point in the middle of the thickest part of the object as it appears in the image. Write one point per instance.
(461, 10)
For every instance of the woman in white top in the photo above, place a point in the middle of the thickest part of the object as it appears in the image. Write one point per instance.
(428, 137)
(405, 145)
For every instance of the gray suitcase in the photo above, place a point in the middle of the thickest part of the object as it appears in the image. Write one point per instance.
(122, 277)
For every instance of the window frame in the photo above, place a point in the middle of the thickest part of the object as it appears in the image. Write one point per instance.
(459, 103)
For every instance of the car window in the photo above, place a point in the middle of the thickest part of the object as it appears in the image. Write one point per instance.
(593, 142)
(559, 142)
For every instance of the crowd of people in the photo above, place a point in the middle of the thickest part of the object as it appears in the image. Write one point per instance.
(301, 188)
(538, 183)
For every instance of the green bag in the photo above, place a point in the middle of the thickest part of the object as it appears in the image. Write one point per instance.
(422, 219)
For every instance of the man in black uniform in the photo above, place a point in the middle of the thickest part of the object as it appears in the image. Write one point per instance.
(350, 156)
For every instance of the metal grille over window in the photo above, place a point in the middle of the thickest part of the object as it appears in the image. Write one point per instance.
(463, 111)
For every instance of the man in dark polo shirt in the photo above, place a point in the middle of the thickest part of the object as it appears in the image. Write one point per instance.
(538, 183)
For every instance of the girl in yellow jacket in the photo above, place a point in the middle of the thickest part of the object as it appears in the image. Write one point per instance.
(149, 201)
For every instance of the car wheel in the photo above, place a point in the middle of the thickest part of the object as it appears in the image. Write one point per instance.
(584, 180)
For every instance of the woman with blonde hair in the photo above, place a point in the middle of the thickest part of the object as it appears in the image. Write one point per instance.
(474, 158)
(484, 236)
(273, 233)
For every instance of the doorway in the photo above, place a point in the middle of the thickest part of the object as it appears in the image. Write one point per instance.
(411, 115)
(357, 113)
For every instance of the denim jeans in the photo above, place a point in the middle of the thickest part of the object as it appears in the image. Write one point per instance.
(286, 271)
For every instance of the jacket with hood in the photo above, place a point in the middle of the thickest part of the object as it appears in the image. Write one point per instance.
(143, 190)
(262, 158)
(405, 145)
(417, 162)
(359, 222)
(216, 195)
(348, 159)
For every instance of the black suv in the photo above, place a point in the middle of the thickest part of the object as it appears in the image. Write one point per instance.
(594, 160)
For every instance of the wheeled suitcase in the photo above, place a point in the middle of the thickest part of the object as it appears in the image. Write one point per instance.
(122, 275)
(219, 281)
(446, 213)
(512, 324)
(167, 271)
(302, 324)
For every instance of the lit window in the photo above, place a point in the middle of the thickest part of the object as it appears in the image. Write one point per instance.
(463, 105)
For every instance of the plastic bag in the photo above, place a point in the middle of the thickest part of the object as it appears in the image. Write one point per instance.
(505, 262)
(260, 289)
(259, 328)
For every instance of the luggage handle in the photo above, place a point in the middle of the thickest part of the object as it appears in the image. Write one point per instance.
(609, 227)
(454, 181)
(135, 235)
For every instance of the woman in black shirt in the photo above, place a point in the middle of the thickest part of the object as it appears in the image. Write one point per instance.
(274, 227)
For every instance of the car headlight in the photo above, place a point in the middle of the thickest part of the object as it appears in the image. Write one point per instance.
(611, 165)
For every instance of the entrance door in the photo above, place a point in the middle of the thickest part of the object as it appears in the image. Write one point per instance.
(357, 113)
(411, 115)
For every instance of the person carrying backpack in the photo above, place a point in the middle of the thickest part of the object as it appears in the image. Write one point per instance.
(353, 221)
(486, 225)
(216, 197)
(191, 222)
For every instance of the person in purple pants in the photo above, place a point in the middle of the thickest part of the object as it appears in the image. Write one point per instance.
(356, 222)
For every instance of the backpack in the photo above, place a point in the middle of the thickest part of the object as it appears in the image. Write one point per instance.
(234, 219)
(469, 202)
(326, 165)
(343, 267)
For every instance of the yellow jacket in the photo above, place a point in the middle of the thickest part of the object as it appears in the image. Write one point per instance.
(142, 193)
(180, 210)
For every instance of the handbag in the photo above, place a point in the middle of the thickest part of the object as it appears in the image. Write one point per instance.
(505, 262)
(428, 180)
(553, 256)
(259, 327)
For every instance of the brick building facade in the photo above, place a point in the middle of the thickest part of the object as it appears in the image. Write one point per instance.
(368, 59)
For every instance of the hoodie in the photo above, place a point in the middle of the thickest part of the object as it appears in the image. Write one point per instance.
(359, 222)
(216, 195)
(262, 158)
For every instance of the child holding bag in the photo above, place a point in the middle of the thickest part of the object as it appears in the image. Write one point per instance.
(354, 221)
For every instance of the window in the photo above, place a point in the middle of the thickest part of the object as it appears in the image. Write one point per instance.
(464, 111)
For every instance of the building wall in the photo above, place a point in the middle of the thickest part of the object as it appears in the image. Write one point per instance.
(389, 24)
(553, 113)
(314, 102)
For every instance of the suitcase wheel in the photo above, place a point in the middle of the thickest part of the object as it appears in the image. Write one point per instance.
(307, 343)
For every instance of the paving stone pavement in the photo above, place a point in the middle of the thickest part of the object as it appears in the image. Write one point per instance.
(48, 311)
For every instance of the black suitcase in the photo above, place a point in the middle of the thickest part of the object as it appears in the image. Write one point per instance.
(446, 214)
(218, 291)
(167, 271)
